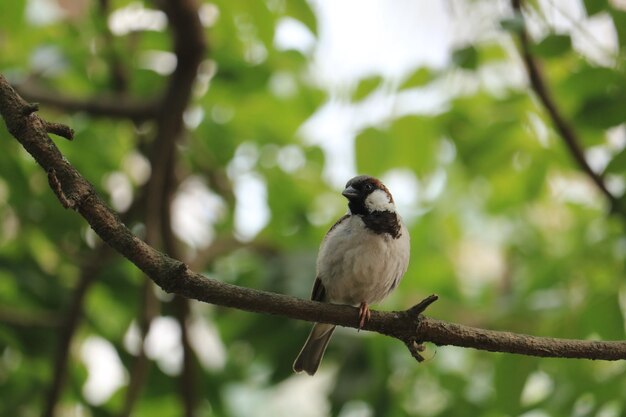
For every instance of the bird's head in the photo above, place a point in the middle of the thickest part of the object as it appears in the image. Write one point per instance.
(367, 195)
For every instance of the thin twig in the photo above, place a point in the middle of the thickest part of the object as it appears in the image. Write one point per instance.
(55, 185)
(563, 126)
(60, 130)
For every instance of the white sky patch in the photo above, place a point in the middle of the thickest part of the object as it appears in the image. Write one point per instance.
(195, 210)
(610, 409)
(326, 208)
(478, 264)
(594, 37)
(193, 116)
(163, 345)
(137, 167)
(434, 184)
(43, 12)
(105, 371)
(404, 187)
(283, 84)
(538, 387)
(293, 34)
(252, 212)
(132, 339)
(404, 34)
(574, 188)
(427, 397)
(245, 159)
(120, 189)
(356, 408)
(329, 129)
(535, 413)
(135, 17)
(48, 61)
(207, 343)
(161, 62)
(290, 158)
(621, 297)
(222, 114)
(209, 13)
(598, 157)
(309, 396)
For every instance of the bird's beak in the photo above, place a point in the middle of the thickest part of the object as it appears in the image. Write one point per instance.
(350, 192)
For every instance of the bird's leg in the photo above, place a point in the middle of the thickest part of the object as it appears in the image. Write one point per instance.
(364, 314)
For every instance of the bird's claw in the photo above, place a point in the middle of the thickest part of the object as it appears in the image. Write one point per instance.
(364, 314)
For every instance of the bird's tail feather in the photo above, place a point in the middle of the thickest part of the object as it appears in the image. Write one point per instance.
(311, 354)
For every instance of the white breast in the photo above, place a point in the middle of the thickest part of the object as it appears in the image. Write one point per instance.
(357, 265)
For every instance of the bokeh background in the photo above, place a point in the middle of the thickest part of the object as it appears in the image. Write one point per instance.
(223, 132)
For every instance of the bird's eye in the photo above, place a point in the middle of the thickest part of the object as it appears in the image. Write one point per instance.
(369, 186)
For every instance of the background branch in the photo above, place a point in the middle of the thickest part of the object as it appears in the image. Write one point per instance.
(15, 317)
(72, 319)
(174, 276)
(115, 106)
(563, 126)
(189, 47)
(149, 310)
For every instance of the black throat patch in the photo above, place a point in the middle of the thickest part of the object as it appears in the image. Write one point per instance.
(381, 222)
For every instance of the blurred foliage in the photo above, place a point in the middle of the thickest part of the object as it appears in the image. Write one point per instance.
(505, 228)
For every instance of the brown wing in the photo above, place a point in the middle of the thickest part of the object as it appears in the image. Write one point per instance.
(319, 292)
(343, 218)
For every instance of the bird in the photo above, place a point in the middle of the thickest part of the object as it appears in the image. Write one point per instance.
(361, 259)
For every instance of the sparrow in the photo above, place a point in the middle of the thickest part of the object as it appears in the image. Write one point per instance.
(360, 261)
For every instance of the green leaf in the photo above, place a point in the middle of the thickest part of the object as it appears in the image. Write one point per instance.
(491, 52)
(617, 164)
(594, 81)
(514, 25)
(301, 10)
(12, 14)
(619, 21)
(366, 87)
(553, 46)
(603, 112)
(419, 78)
(466, 58)
(595, 6)
(409, 142)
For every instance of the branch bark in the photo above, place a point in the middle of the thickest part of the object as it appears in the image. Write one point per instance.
(175, 277)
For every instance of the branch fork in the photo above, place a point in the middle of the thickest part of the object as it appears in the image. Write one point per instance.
(413, 341)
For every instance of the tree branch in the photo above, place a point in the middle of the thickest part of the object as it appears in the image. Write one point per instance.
(188, 378)
(28, 318)
(189, 47)
(71, 322)
(563, 126)
(115, 106)
(141, 365)
(175, 277)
